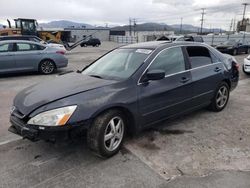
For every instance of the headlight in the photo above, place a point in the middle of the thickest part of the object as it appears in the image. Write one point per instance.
(56, 117)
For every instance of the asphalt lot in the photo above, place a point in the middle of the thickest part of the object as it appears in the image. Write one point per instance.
(202, 149)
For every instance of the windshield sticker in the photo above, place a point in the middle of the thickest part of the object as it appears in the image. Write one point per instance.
(143, 51)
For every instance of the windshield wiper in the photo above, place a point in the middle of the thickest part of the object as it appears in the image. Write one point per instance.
(96, 76)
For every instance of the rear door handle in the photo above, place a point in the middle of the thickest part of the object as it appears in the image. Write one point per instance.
(184, 79)
(217, 69)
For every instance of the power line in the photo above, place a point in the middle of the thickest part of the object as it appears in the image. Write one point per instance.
(202, 19)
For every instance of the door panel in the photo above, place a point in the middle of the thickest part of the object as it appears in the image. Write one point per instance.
(206, 71)
(7, 60)
(171, 95)
(205, 81)
(27, 57)
(164, 98)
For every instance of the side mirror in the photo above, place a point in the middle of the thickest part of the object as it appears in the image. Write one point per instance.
(154, 75)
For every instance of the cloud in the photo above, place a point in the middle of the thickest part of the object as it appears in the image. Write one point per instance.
(99, 12)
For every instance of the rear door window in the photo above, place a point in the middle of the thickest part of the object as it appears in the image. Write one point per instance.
(199, 56)
(23, 47)
(29, 47)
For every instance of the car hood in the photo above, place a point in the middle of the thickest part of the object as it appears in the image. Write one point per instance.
(38, 95)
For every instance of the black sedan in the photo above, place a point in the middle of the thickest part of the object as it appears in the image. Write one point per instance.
(233, 47)
(91, 42)
(126, 90)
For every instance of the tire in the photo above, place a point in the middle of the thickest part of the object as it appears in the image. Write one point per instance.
(47, 67)
(235, 52)
(221, 97)
(101, 126)
(97, 45)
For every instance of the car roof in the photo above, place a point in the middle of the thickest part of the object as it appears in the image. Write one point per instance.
(20, 41)
(147, 45)
(156, 44)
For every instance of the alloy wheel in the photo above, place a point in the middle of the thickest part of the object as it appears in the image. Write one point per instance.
(47, 67)
(114, 133)
(222, 96)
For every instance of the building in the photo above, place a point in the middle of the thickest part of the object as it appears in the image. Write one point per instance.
(243, 25)
(79, 33)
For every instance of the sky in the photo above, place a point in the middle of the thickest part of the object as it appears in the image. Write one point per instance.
(219, 13)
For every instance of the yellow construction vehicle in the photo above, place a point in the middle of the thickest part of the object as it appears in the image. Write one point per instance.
(25, 26)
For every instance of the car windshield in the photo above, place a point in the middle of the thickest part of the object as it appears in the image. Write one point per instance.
(229, 42)
(119, 64)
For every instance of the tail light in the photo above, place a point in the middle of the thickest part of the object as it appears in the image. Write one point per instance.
(236, 66)
(60, 52)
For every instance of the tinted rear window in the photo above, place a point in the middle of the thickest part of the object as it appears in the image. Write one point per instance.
(199, 56)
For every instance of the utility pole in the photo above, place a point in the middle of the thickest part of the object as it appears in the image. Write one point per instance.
(234, 25)
(231, 25)
(244, 11)
(130, 27)
(134, 21)
(202, 19)
(181, 26)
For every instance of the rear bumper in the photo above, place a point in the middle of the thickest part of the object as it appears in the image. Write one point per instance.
(62, 63)
(36, 132)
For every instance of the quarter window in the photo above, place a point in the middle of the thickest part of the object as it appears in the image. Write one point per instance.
(199, 56)
(170, 60)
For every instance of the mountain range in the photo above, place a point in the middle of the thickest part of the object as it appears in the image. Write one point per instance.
(64, 24)
(139, 27)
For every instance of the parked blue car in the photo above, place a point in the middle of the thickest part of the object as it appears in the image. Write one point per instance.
(27, 56)
(128, 89)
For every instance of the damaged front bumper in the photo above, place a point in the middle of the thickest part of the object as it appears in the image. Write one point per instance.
(36, 132)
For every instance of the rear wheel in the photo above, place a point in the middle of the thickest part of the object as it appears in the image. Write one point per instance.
(47, 67)
(106, 134)
(220, 98)
(248, 51)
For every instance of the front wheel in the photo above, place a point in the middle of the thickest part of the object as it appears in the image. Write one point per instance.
(220, 98)
(106, 134)
(235, 52)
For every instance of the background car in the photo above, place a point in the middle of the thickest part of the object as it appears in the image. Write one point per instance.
(91, 42)
(189, 38)
(246, 65)
(233, 47)
(34, 39)
(23, 56)
(128, 89)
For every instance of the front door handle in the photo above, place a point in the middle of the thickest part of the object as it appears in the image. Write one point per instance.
(184, 79)
(217, 69)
